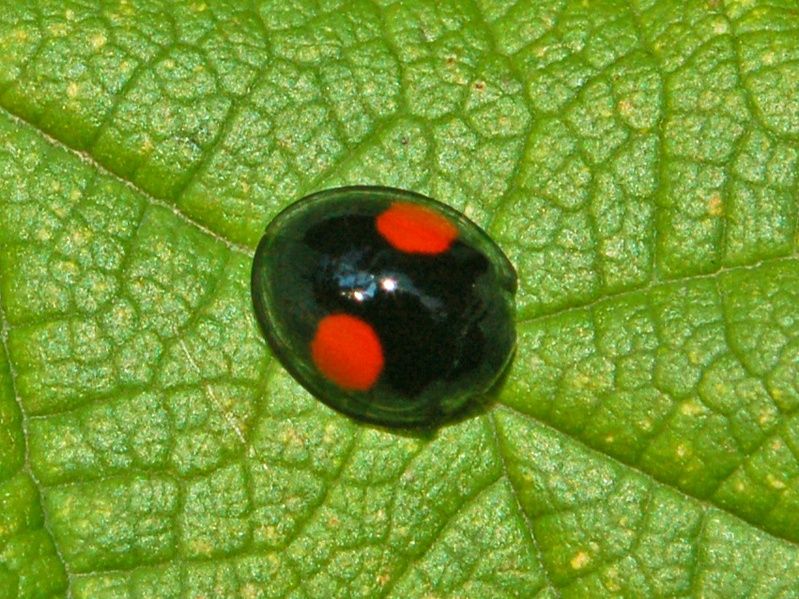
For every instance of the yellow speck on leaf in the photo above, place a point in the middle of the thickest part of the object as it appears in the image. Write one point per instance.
(580, 560)
(691, 408)
(57, 29)
(98, 40)
(269, 533)
(720, 26)
(249, 591)
(715, 206)
(292, 437)
(625, 107)
(43, 235)
(612, 580)
(201, 547)
(20, 35)
(775, 483)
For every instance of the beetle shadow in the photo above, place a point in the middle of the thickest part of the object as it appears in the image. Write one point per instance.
(479, 405)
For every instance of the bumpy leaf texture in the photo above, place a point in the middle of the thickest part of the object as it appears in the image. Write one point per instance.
(637, 160)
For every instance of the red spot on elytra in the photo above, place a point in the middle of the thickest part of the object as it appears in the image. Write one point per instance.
(416, 229)
(347, 351)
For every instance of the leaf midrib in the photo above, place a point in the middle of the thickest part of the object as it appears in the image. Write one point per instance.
(705, 504)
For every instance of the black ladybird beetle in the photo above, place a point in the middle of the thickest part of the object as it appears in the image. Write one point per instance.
(385, 304)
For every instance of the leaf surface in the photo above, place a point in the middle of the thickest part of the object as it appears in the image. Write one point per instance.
(637, 161)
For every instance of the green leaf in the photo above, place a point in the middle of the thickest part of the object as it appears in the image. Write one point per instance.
(638, 161)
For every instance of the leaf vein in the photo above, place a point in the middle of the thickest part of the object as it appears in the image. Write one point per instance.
(46, 524)
(703, 503)
(635, 291)
(89, 160)
(441, 530)
(515, 492)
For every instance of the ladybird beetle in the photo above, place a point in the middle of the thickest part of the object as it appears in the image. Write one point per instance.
(385, 304)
